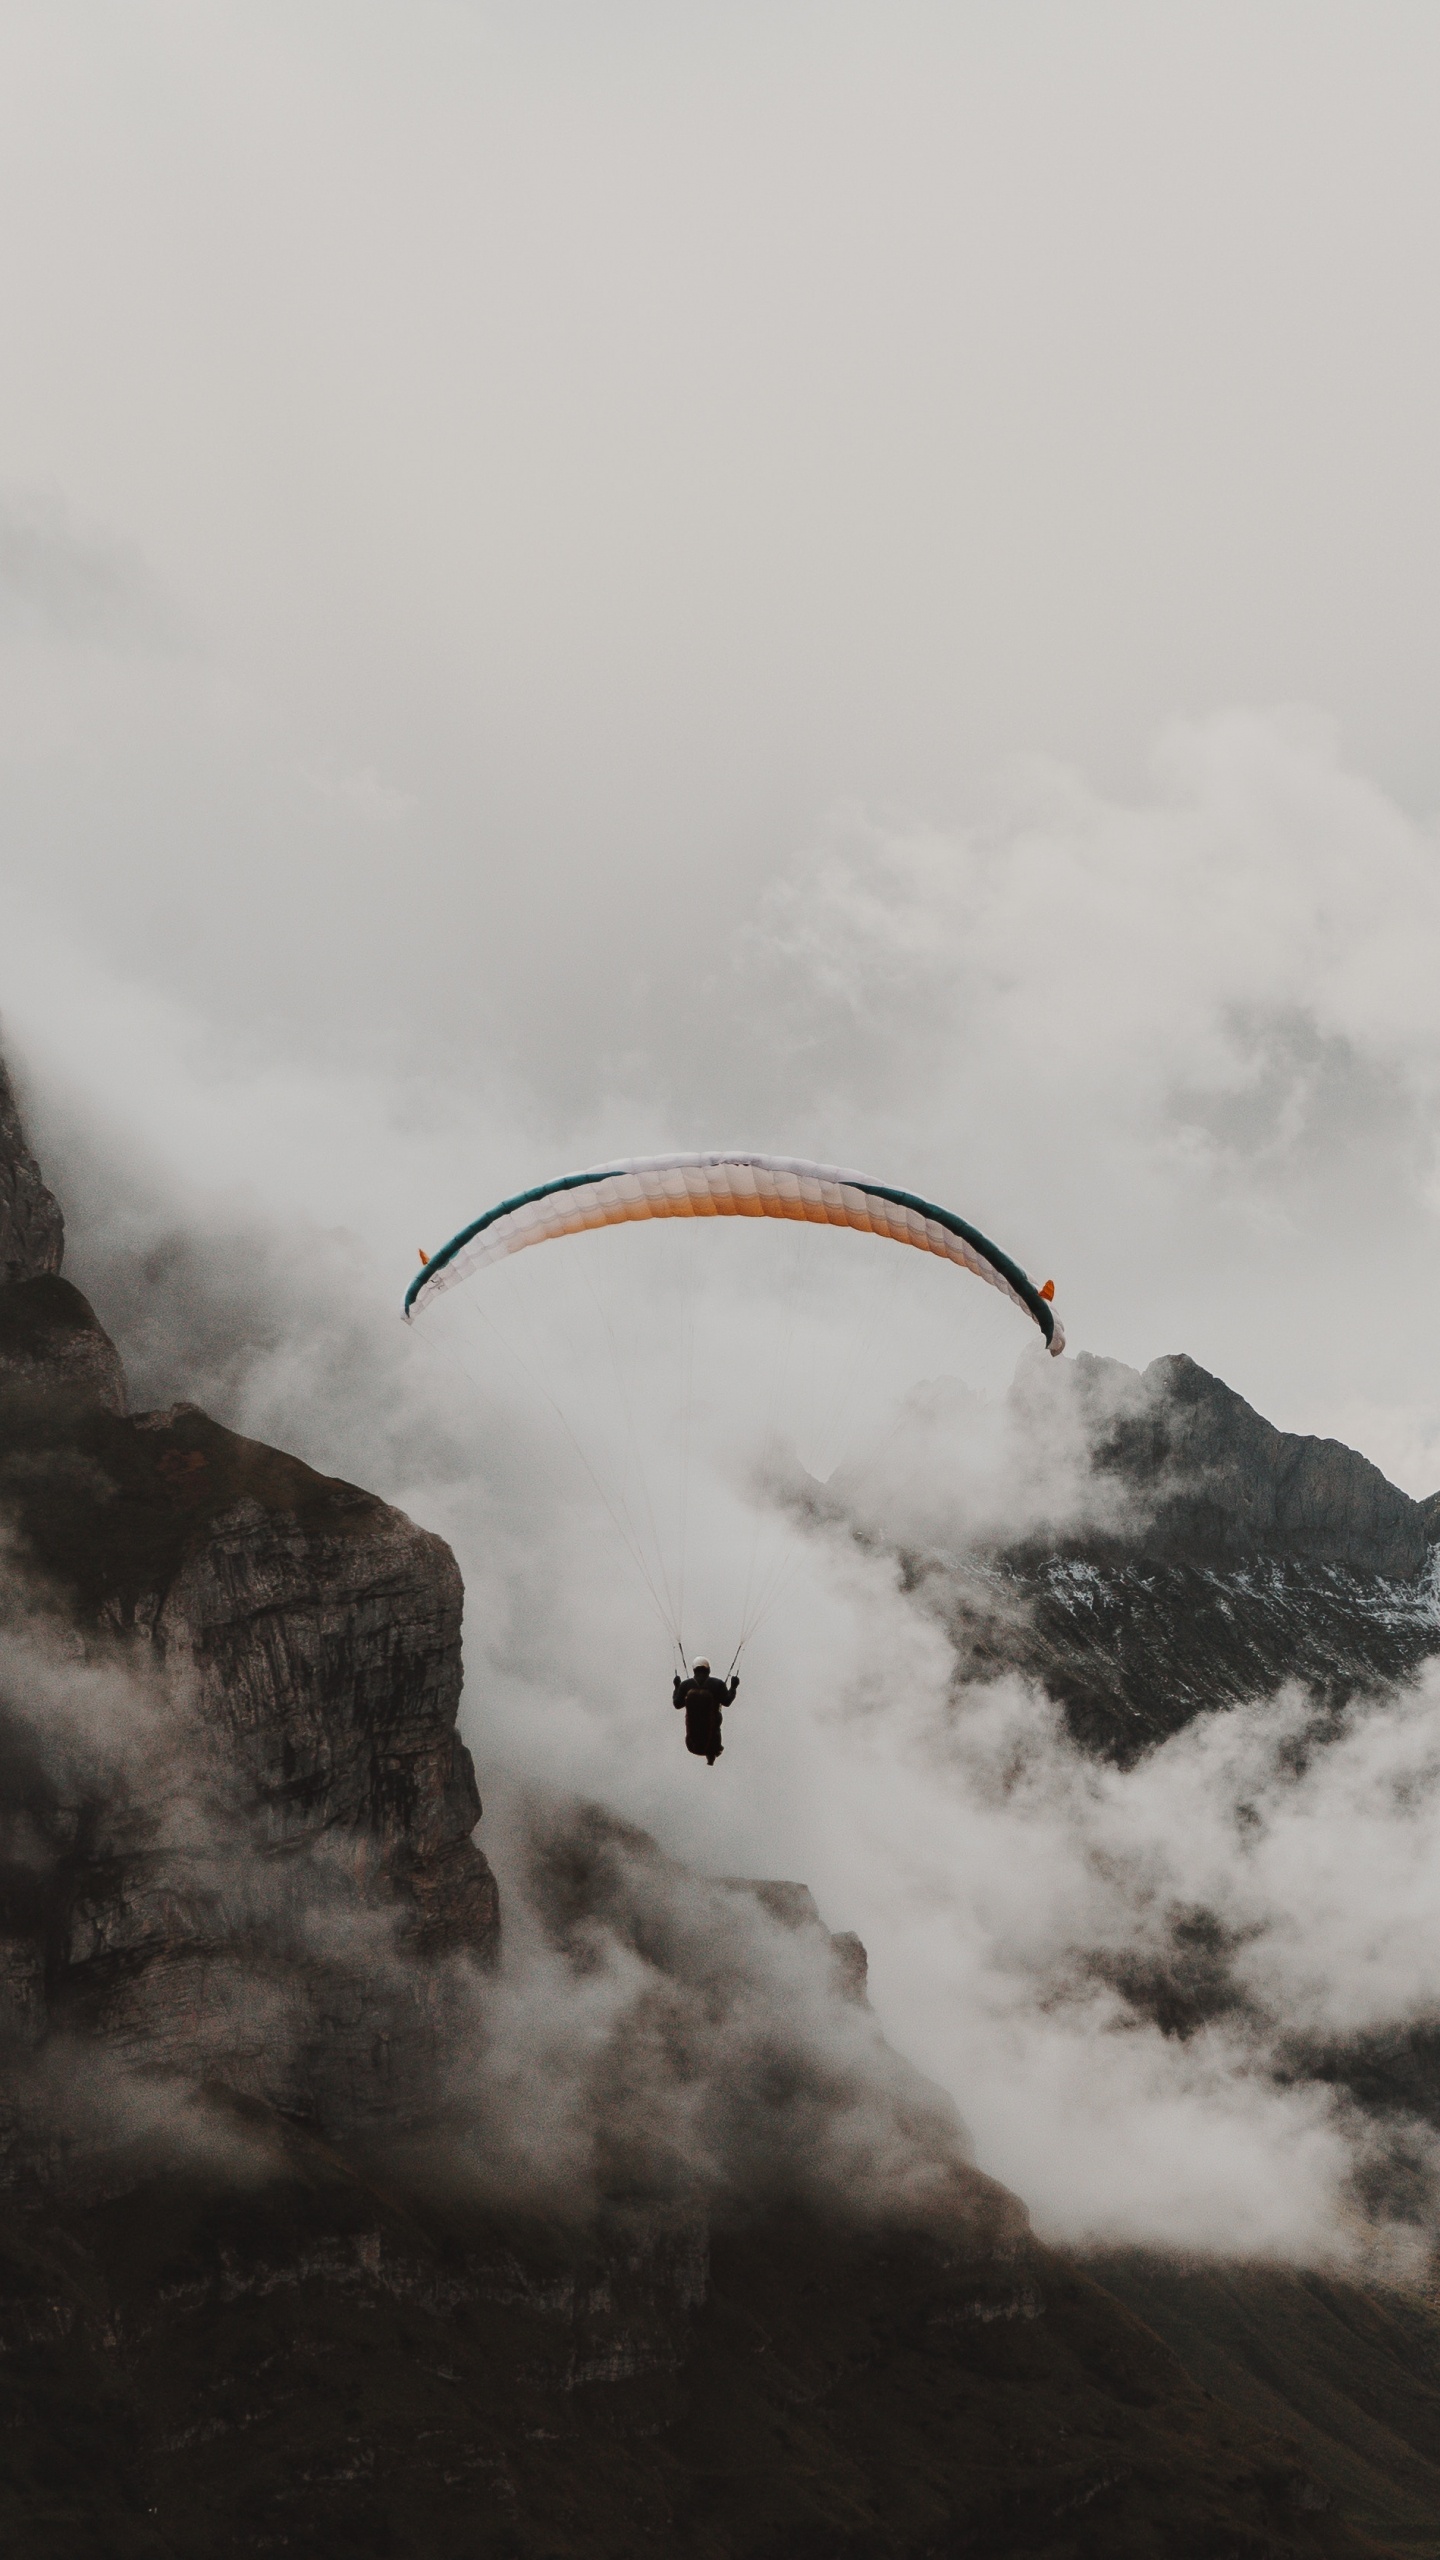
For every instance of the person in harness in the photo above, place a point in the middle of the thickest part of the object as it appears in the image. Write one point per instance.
(703, 1697)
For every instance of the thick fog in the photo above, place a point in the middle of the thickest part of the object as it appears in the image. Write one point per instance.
(861, 582)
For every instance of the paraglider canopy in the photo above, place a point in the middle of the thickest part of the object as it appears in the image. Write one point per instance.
(639, 1450)
(728, 1184)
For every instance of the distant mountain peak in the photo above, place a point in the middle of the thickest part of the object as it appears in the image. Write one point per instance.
(1213, 1481)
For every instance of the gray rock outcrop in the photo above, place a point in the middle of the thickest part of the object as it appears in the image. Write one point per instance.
(32, 1231)
(237, 1825)
(1213, 1481)
(1195, 1556)
(236, 1816)
(51, 1339)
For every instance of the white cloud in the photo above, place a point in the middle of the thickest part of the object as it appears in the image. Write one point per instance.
(582, 457)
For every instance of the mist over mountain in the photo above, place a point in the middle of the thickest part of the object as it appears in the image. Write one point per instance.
(1146, 1547)
(857, 582)
(349, 2195)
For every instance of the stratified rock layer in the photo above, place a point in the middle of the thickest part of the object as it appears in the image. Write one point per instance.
(248, 1865)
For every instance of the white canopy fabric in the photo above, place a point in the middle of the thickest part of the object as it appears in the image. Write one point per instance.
(727, 1184)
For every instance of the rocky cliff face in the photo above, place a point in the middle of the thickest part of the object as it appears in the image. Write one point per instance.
(52, 1341)
(1214, 1483)
(32, 1231)
(1234, 1557)
(235, 1836)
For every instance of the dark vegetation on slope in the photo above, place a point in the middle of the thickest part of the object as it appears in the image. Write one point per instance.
(1350, 2377)
(350, 2357)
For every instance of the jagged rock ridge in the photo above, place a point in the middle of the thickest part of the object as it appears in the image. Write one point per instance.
(1214, 1482)
(1244, 1557)
(250, 1864)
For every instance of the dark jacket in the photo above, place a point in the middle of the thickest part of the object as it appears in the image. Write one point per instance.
(702, 1701)
(714, 1692)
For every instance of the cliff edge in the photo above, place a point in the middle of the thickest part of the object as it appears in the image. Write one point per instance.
(235, 1829)
(32, 1231)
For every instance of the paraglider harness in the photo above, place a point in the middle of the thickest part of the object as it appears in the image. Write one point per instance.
(703, 1698)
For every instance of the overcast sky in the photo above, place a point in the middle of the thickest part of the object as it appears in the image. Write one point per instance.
(504, 506)
(854, 579)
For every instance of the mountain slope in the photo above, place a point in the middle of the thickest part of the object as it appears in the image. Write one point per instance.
(1197, 1556)
(348, 2356)
(1351, 2377)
